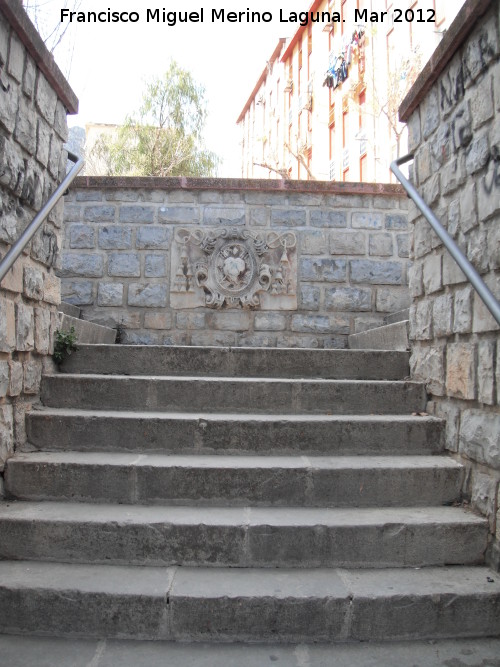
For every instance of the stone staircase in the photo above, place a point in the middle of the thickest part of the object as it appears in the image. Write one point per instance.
(240, 495)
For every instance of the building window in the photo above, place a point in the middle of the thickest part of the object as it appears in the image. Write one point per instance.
(332, 140)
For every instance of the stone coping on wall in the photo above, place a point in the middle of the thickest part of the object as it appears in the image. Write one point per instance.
(242, 184)
(27, 33)
(453, 39)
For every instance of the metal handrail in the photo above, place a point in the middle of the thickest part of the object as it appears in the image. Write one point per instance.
(34, 226)
(473, 276)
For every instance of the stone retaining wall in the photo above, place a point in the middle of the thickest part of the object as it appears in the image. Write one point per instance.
(453, 114)
(124, 263)
(34, 101)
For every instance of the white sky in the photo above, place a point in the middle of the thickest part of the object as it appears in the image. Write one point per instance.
(108, 63)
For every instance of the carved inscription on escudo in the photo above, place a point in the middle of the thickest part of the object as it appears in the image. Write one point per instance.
(233, 268)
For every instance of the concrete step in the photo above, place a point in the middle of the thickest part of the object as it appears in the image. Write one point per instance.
(242, 537)
(28, 651)
(206, 433)
(200, 604)
(359, 481)
(238, 362)
(227, 394)
(69, 309)
(87, 332)
(389, 337)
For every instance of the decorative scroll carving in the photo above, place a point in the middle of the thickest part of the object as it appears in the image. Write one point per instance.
(233, 267)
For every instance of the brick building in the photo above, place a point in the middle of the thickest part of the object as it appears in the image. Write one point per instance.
(325, 105)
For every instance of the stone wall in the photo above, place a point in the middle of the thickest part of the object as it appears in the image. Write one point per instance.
(346, 259)
(453, 114)
(34, 101)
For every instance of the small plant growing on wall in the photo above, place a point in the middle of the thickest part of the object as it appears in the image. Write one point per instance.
(64, 345)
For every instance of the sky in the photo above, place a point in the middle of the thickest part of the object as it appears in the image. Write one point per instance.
(107, 63)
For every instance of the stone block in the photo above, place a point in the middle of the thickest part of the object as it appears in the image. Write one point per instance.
(479, 439)
(178, 214)
(441, 146)
(190, 320)
(78, 292)
(16, 378)
(367, 220)
(432, 273)
(7, 326)
(86, 265)
(380, 245)
(482, 318)
(481, 102)
(6, 433)
(152, 238)
(8, 108)
(432, 190)
(124, 264)
(309, 297)
(115, 237)
(415, 279)
(421, 320)
(122, 195)
(90, 195)
(392, 300)
(4, 378)
(256, 340)
(81, 237)
(223, 216)
(452, 273)
(158, 321)
(60, 121)
(137, 214)
(347, 243)
(147, 295)
(323, 270)
(461, 371)
(269, 322)
(429, 110)
(348, 299)
(396, 222)
(427, 365)
(403, 243)
(42, 330)
(450, 412)
(462, 311)
(498, 374)
(313, 243)
(46, 99)
(52, 289)
(493, 245)
(485, 372)
(4, 39)
(478, 154)
(453, 222)
(484, 496)
(376, 273)
(442, 315)
(320, 324)
(327, 218)
(478, 252)
(259, 217)
(72, 212)
(155, 266)
(98, 213)
(213, 338)
(26, 126)
(488, 201)
(25, 329)
(414, 130)
(33, 283)
(229, 321)
(367, 322)
(422, 239)
(110, 294)
(288, 217)
(304, 342)
(16, 58)
(32, 377)
(468, 206)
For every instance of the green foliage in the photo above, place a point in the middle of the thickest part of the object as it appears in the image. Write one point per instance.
(164, 137)
(64, 344)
